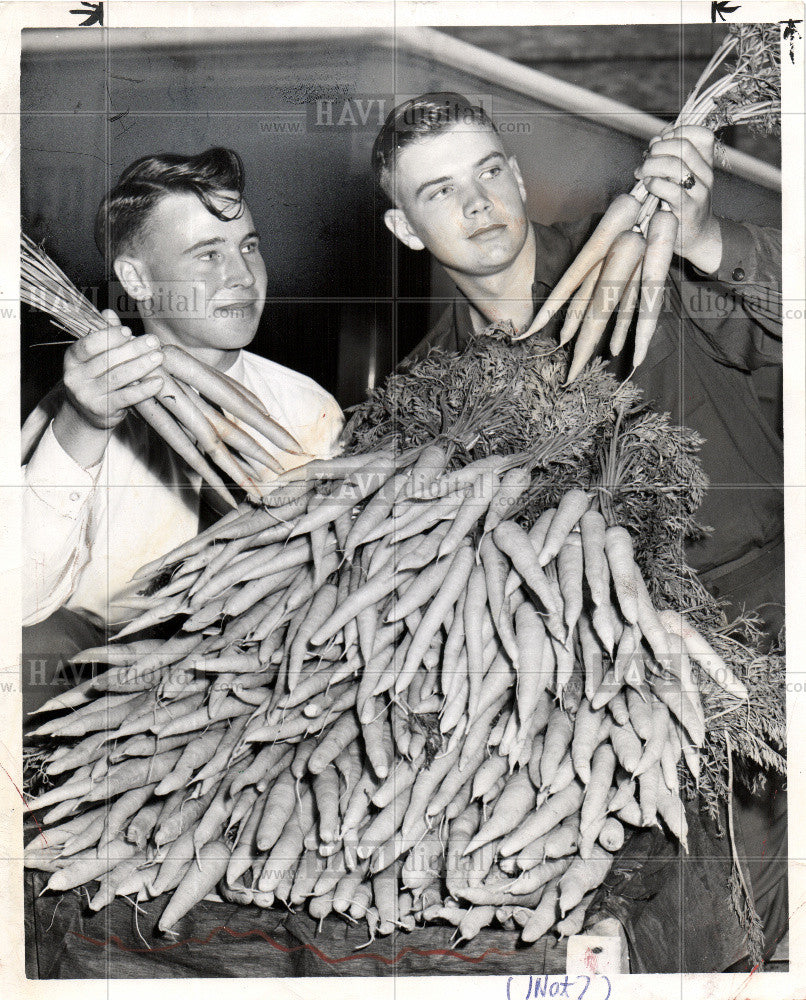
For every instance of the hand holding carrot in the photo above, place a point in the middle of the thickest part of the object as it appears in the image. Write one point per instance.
(105, 372)
(675, 159)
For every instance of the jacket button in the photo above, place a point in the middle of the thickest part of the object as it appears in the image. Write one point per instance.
(738, 274)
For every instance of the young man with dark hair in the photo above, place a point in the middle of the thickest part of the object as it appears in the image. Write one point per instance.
(456, 193)
(104, 495)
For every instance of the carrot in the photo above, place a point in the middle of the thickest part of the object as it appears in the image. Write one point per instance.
(570, 509)
(687, 711)
(235, 437)
(559, 733)
(565, 663)
(606, 625)
(575, 921)
(455, 780)
(582, 877)
(453, 584)
(477, 918)
(492, 559)
(619, 549)
(587, 725)
(513, 484)
(559, 842)
(322, 606)
(569, 576)
(489, 772)
(626, 310)
(422, 588)
(624, 256)
(579, 303)
(656, 741)
(87, 868)
(174, 435)
(620, 216)
(377, 736)
(207, 382)
(703, 653)
(424, 786)
(122, 810)
(423, 863)
(532, 681)
(202, 876)
(544, 914)
(591, 656)
(110, 882)
(648, 788)
(660, 239)
(287, 850)
(475, 504)
(602, 771)
(517, 799)
(371, 592)
(544, 819)
(592, 528)
(673, 813)
(341, 733)
(513, 541)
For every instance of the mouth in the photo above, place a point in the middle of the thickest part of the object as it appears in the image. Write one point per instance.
(240, 306)
(485, 230)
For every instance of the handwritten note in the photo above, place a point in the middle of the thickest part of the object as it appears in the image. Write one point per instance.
(573, 988)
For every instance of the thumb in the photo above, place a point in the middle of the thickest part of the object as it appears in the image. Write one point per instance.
(111, 317)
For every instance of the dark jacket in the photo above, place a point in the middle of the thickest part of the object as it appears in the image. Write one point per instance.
(715, 331)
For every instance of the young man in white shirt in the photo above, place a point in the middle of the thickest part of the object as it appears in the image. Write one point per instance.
(103, 495)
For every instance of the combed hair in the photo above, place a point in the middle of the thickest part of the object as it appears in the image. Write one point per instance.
(414, 119)
(123, 214)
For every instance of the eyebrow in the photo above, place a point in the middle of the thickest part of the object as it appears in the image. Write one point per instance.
(218, 240)
(495, 154)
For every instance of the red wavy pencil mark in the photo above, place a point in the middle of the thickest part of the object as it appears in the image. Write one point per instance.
(22, 796)
(113, 939)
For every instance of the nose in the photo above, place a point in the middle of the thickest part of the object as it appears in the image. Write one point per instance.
(476, 201)
(238, 274)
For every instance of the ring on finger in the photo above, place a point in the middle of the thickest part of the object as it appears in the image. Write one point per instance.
(688, 182)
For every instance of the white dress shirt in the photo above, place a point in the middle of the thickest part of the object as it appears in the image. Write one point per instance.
(87, 531)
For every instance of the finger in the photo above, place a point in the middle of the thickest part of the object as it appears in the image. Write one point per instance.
(687, 153)
(132, 350)
(98, 342)
(111, 317)
(670, 168)
(130, 395)
(670, 192)
(702, 138)
(133, 371)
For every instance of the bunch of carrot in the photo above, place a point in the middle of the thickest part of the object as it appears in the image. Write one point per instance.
(387, 700)
(199, 412)
(626, 260)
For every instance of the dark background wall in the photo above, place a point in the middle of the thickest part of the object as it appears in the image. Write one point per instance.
(345, 299)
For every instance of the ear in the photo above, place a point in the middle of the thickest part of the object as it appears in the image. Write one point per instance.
(397, 223)
(132, 275)
(516, 170)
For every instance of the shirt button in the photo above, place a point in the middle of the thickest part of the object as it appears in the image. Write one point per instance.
(738, 274)
(74, 496)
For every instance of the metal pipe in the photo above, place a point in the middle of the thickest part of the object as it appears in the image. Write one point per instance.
(429, 43)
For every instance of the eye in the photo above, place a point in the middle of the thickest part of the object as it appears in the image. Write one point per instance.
(492, 172)
(250, 248)
(209, 255)
(440, 193)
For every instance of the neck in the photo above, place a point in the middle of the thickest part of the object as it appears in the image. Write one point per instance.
(505, 295)
(222, 360)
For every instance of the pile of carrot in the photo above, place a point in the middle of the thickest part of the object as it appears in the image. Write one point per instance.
(625, 262)
(199, 412)
(387, 700)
